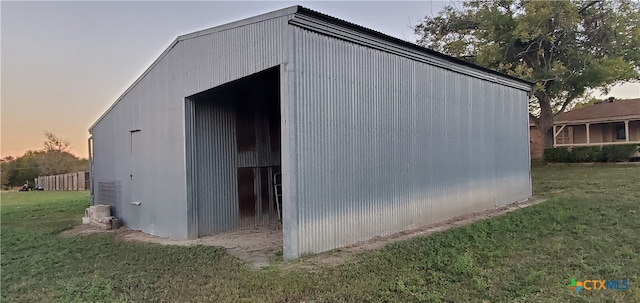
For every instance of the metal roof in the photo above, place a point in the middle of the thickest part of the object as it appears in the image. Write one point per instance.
(377, 34)
(300, 11)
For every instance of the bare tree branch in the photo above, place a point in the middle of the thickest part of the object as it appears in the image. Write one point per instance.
(566, 102)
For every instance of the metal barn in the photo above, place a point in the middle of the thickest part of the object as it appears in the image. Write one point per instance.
(368, 135)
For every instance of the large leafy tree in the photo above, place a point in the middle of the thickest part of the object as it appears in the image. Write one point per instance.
(566, 47)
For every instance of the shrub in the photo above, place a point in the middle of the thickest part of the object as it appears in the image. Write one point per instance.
(556, 154)
(608, 153)
(617, 153)
(601, 156)
(586, 153)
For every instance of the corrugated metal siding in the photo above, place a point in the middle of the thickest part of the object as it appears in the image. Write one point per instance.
(190, 169)
(372, 142)
(243, 51)
(384, 143)
(155, 104)
(262, 155)
(215, 163)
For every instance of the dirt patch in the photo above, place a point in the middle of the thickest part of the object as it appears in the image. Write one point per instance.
(83, 229)
(257, 246)
(261, 245)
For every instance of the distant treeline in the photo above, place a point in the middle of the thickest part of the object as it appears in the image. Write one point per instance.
(53, 159)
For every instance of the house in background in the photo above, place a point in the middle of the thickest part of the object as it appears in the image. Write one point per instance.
(607, 123)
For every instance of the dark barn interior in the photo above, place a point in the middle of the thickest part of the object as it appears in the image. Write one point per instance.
(236, 140)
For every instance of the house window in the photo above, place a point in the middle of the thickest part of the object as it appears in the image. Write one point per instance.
(620, 132)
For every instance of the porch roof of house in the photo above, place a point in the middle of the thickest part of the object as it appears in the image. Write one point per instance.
(603, 112)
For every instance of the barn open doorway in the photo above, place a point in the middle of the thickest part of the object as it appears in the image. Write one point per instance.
(233, 155)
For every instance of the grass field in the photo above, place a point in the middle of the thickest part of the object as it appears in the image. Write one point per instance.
(588, 229)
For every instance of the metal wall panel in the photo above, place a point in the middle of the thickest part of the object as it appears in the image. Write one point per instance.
(262, 155)
(383, 143)
(150, 165)
(216, 168)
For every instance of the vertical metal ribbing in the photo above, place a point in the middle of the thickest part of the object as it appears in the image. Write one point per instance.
(192, 64)
(190, 164)
(290, 172)
(385, 142)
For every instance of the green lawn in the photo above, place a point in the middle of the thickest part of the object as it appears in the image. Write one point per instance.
(588, 229)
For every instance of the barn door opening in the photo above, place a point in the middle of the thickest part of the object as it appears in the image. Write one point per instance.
(233, 152)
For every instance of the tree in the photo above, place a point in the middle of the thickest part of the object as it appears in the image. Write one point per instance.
(566, 47)
(4, 172)
(56, 158)
(54, 143)
(53, 159)
(21, 170)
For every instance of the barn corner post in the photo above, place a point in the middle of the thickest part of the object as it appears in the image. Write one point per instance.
(90, 150)
(290, 228)
(190, 173)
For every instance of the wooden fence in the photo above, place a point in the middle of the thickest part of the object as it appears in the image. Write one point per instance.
(70, 181)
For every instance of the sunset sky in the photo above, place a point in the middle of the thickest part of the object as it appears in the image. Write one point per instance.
(64, 63)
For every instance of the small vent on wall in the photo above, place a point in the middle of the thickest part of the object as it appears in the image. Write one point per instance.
(108, 192)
